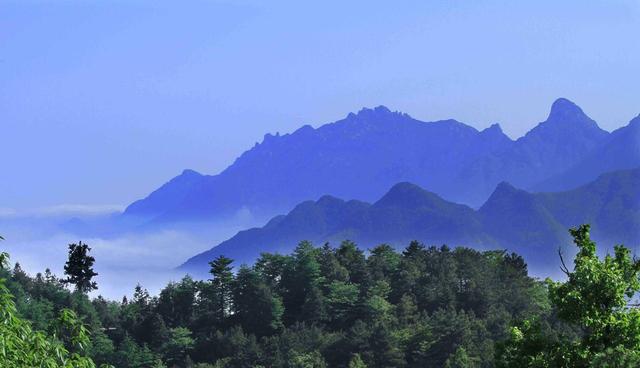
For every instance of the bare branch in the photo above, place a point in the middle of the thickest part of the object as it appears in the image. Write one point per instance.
(564, 267)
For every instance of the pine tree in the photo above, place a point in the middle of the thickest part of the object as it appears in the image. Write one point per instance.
(79, 268)
(221, 282)
(257, 309)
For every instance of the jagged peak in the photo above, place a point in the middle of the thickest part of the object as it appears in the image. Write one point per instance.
(566, 119)
(564, 109)
(378, 111)
(493, 129)
(270, 136)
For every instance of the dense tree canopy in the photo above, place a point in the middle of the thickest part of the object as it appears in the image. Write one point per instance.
(23, 347)
(343, 307)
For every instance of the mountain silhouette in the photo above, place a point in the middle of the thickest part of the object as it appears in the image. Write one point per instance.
(621, 150)
(532, 224)
(548, 149)
(364, 154)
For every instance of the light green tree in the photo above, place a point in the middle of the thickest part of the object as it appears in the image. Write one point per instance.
(596, 299)
(23, 347)
(357, 362)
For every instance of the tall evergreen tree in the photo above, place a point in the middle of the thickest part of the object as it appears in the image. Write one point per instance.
(222, 283)
(301, 281)
(79, 268)
(256, 308)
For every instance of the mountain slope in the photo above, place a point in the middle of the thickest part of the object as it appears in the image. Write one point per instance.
(532, 224)
(518, 219)
(611, 204)
(376, 146)
(620, 151)
(405, 212)
(553, 146)
(363, 154)
(167, 196)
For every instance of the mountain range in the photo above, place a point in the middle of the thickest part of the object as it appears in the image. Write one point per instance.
(531, 224)
(364, 154)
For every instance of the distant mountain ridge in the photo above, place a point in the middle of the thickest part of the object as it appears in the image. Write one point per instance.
(364, 154)
(531, 224)
(620, 151)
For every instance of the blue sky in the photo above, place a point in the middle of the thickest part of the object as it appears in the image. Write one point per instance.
(101, 102)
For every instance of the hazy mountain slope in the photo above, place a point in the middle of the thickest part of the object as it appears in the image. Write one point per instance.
(364, 154)
(532, 224)
(358, 157)
(621, 150)
(554, 145)
(520, 220)
(167, 196)
(408, 211)
(404, 213)
(611, 204)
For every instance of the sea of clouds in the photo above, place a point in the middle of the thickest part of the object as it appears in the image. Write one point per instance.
(38, 239)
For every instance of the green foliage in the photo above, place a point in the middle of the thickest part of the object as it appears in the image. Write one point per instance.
(180, 344)
(221, 287)
(341, 300)
(460, 359)
(23, 347)
(256, 307)
(317, 307)
(595, 300)
(356, 362)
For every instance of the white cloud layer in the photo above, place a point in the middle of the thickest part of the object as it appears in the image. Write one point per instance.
(121, 263)
(61, 210)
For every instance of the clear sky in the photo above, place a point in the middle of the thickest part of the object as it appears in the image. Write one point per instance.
(102, 101)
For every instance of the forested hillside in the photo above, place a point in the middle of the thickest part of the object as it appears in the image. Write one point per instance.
(316, 307)
(336, 307)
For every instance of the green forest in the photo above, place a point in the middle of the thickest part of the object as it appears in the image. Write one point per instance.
(325, 306)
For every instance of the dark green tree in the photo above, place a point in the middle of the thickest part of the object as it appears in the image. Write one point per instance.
(221, 287)
(460, 359)
(386, 349)
(153, 331)
(176, 303)
(353, 259)
(356, 362)
(256, 308)
(301, 282)
(271, 268)
(383, 263)
(79, 268)
(342, 300)
(177, 349)
(330, 267)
